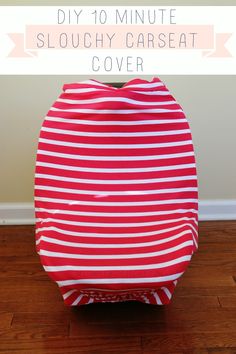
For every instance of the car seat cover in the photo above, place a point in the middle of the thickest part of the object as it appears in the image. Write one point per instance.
(116, 192)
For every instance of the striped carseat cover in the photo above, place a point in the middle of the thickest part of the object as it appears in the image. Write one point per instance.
(116, 192)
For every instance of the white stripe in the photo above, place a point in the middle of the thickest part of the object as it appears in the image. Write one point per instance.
(145, 299)
(114, 158)
(194, 230)
(167, 291)
(151, 93)
(146, 85)
(158, 300)
(116, 111)
(116, 99)
(109, 235)
(106, 193)
(114, 268)
(115, 146)
(112, 245)
(112, 224)
(90, 300)
(85, 202)
(115, 170)
(115, 181)
(116, 256)
(109, 134)
(195, 241)
(115, 122)
(106, 89)
(119, 280)
(66, 295)
(77, 300)
(82, 90)
(106, 214)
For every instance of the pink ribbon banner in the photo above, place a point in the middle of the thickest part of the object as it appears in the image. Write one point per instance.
(140, 37)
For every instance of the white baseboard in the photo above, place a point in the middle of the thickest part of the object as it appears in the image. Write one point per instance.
(17, 214)
(221, 209)
(23, 213)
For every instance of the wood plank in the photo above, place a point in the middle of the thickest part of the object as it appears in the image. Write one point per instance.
(209, 229)
(213, 342)
(95, 345)
(9, 270)
(27, 305)
(194, 302)
(23, 250)
(5, 320)
(227, 301)
(193, 278)
(31, 292)
(13, 230)
(203, 290)
(222, 268)
(208, 247)
(35, 319)
(211, 257)
(215, 350)
(28, 257)
(36, 332)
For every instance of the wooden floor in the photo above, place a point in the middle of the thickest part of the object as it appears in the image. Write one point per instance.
(200, 319)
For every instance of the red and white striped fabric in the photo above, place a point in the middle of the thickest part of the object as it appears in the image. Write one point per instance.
(116, 192)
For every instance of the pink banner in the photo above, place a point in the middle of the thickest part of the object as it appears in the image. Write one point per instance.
(219, 51)
(168, 37)
(19, 50)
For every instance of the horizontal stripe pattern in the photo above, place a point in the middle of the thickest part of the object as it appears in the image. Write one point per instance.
(115, 146)
(115, 111)
(103, 214)
(100, 193)
(114, 181)
(116, 193)
(162, 233)
(94, 134)
(99, 268)
(57, 231)
(114, 158)
(115, 170)
(115, 99)
(113, 224)
(115, 256)
(133, 123)
(101, 203)
(120, 280)
(107, 245)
